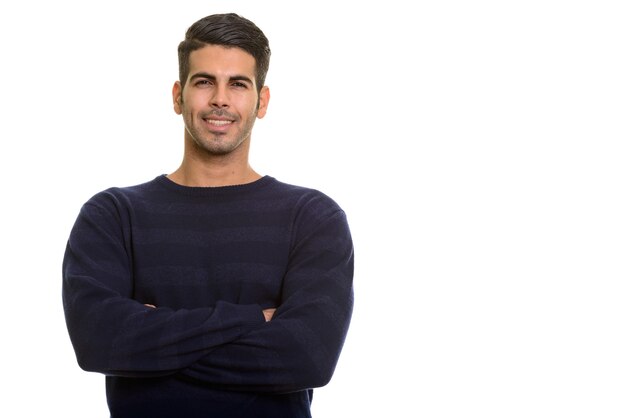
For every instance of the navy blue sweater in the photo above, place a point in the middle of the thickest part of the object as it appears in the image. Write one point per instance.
(210, 260)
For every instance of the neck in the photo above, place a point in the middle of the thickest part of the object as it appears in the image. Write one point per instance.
(207, 170)
(212, 176)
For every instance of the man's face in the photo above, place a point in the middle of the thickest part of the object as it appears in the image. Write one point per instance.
(219, 102)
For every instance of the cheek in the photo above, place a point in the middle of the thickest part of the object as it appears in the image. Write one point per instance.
(189, 108)
(193, 101)
(249, 106)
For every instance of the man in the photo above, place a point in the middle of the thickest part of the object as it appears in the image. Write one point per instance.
(213, 291)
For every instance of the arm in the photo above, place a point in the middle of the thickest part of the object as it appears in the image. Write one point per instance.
(114, 334)
(299, 348)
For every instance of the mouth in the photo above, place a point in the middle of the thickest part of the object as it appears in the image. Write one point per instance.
(218, 122)
(218, 125)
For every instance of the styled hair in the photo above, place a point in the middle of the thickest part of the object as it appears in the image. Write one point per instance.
(229, 30)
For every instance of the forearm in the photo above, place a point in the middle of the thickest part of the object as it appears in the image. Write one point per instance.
(285, 355)
(115, 335)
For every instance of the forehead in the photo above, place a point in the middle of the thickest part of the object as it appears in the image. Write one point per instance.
(221, 61)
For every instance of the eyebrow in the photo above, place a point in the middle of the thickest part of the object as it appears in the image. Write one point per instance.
(211, 77)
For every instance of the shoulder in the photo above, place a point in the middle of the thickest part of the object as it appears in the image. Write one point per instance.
(307, 199)
(313, 212)
(115, 199)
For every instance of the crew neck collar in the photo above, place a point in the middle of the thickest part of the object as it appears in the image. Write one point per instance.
(198, 190)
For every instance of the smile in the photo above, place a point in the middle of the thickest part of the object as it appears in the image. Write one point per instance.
(218, 122)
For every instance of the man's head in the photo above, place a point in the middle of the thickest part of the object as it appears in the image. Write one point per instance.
(228, 30)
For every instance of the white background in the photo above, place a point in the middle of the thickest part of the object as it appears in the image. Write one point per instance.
(477, 147)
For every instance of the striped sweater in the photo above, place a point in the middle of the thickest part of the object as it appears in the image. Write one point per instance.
(210, 260)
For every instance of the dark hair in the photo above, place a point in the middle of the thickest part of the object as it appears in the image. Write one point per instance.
(229, 30)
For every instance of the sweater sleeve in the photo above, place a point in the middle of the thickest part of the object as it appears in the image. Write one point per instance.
(113, 334)
(299, 348)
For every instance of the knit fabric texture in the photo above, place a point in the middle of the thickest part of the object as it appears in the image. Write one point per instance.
(210, 259)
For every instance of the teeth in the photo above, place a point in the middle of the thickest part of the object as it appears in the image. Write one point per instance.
(219, 122)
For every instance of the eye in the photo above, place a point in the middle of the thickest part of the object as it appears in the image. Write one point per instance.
(239, 84)
(201, 83)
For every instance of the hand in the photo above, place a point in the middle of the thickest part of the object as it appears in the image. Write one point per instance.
(269, 313)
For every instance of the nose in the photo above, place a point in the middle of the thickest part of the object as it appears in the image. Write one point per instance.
(219, 99)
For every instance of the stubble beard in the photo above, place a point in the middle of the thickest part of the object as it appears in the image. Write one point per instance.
(218, 144)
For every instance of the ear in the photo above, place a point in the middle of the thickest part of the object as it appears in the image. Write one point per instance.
(264, 99)
(177, 97)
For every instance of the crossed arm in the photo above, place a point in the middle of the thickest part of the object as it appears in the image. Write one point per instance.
(294, 346)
